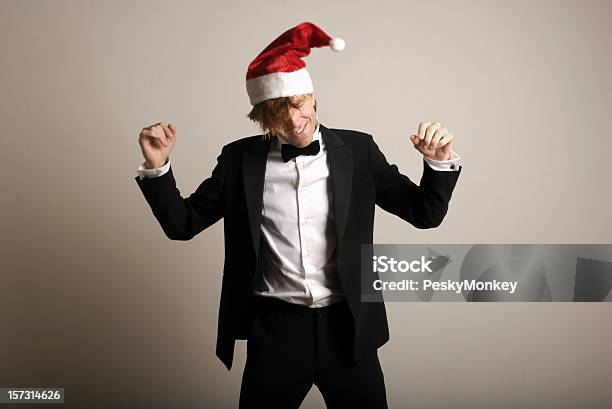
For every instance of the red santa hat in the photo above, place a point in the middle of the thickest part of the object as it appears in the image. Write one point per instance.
(279, 71)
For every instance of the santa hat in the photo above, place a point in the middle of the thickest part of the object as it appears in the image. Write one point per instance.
(279, 71)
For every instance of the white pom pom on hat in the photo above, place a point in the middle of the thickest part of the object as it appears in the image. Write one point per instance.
(337, 44)
(279, 71)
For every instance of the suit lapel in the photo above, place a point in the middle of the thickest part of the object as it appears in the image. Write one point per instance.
(253, 174)
(340, 158)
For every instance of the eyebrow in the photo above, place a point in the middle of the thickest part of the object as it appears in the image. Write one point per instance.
(298, 101)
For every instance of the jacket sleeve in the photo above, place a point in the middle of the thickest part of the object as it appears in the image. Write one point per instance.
(425, 205)
(183, 218)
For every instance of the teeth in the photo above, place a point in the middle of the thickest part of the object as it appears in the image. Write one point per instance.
(301, 130)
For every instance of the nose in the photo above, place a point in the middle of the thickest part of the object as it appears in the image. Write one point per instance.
(294, 121)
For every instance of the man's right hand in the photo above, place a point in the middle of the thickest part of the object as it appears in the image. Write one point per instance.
(156, 143)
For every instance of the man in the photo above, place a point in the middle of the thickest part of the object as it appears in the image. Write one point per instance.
(298, 203)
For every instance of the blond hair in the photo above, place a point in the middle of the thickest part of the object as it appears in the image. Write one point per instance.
(272, 115)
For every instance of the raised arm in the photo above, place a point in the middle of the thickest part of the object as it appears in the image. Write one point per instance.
(180, 218)
(424, 205)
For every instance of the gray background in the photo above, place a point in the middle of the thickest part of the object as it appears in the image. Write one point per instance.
(95, 299)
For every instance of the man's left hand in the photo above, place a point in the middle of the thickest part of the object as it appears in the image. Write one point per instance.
(433, 140)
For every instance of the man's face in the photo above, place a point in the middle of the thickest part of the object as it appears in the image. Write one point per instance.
(302, 123)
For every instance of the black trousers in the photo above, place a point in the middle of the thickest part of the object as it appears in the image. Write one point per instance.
(292, 347)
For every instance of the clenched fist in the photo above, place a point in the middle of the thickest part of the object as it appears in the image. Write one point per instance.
(156, 142)
(433, 141)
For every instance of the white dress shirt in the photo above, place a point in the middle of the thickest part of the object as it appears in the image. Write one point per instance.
(297, 261)
(297, 253)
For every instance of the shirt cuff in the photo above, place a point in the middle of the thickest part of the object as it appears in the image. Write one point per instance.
(152, 173)
(449, 165)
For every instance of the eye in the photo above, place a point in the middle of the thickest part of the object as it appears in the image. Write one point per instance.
(298, 101)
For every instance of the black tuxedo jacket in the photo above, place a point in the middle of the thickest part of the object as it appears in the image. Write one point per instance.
(361, 178)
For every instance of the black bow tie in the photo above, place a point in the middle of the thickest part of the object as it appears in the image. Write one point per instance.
(289, 151)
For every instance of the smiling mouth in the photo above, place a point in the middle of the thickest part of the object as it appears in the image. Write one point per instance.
(301, 130)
